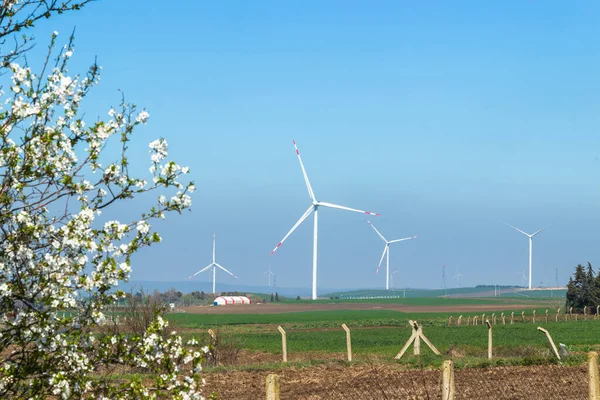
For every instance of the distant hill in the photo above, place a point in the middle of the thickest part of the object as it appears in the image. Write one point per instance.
(479, 291)
(191, 286)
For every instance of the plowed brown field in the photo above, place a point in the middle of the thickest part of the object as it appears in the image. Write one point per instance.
(337, 381)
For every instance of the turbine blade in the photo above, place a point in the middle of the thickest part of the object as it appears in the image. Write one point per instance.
(381, 260)
(330, 205)
(302, 218)
(401, 240)
(514, 227)
(202, 270)
(308, 186)
(539, 230)
(223, 268)
(379, 233)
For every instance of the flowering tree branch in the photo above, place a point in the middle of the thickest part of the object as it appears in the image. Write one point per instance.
(58, 250)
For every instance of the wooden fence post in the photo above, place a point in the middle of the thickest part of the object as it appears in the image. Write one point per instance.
(503, 320)
(448, 380)
(584, 312)
(593, 378)
(512, 315)
(469, 320)
(459, 320)
(557, 313)
(482, 318)
(489, 338)
(450, 321)
(550, 340)
(597, 309)
(417, 345)
(417, 335)
(272, 387)
(348, 341)
(283, 343)
(523, 316)
(475, 320)
(533, 317)
(494, 318)
(212, 334)
(213, 337)
(546, 315)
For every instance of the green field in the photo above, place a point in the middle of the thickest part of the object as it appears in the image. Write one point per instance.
(322, 319)
(409, 301)
(485, 291)
(381, 334)
(410, 293)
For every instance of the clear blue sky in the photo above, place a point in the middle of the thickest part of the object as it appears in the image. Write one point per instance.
(445, 117)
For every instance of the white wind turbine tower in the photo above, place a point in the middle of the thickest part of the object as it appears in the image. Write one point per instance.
(523, 276)
(386, 251)
(269, 274)
(457, 276)
(530, 236)
(214, 267)
(314, 208)
(392, 278)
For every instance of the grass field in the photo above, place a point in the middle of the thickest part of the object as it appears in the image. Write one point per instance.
(412, 301)
(317, 335)
(519, 340)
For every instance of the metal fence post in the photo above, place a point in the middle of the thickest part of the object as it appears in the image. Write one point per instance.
(448, 380)
(593, 376)
(272, 387)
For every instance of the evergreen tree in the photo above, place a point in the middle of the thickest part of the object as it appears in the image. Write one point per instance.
(272, 297)
(583, 288)
(276, 296)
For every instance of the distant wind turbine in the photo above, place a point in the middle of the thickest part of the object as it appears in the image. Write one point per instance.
(214, 267)
(392, 278)
(530, 236)
(457, 276)
(269, 274)
(314, 208)
(386, 251)
(523, 276)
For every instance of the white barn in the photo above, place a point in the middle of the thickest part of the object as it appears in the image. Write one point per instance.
(227, 300)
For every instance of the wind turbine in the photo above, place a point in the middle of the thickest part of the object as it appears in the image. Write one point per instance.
(457, 276)
(386, 251)
(392, 278)
(314, 208)
(214, 267)
(530, 236)
(523, 276)
(269, 274)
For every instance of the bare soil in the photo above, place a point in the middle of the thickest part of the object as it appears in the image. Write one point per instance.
(273, 308)
(338, 381)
